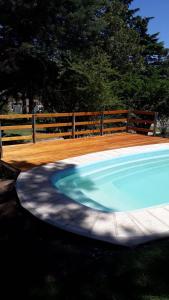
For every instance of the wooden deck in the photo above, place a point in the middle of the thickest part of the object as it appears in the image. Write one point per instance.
(26, 156)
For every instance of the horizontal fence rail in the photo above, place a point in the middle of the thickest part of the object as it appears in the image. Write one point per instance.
(141, 121)
(73, 125)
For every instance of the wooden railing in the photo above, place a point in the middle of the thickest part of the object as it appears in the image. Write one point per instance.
(99, 121)
(136, 118)
(76, 124)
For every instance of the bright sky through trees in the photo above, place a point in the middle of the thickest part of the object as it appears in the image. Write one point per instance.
(159, 9)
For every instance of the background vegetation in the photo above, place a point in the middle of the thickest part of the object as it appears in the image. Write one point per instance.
(81, 55)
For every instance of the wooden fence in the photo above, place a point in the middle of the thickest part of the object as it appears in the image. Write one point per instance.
(75, 124)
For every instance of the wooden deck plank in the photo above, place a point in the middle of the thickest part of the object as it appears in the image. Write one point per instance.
(26, 156)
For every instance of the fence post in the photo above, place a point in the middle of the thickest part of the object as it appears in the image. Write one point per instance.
(33, 128)
(1, 150)
(155, 123)
(128, 118)
(102, 123)
(73, 125)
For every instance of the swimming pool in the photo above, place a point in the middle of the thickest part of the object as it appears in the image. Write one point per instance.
(119, 196)
(126, 183)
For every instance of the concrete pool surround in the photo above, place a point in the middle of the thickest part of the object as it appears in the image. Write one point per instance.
(43, 200)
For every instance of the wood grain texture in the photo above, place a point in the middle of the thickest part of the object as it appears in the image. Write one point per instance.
(53, 125)
(115, 120)
(84, 132)
(141, 112)
(116, 112)
(139, 121)
(15, 116)
(114, 129)
(52, 135)
(54, 115)
(16, 127)
(88, 123)
(27, 156)
(17, 138)
(139, 129)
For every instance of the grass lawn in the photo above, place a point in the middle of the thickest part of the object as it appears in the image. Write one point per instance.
(24, 132)
(18, 132)
(13, 133)
(39, 261)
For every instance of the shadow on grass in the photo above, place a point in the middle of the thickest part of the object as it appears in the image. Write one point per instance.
(39, 261)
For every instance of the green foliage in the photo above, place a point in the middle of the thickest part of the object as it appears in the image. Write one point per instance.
(81, 55)
(87, 84)
(147, 93)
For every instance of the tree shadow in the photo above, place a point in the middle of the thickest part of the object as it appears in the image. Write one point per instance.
(39, 261)
(23, 164)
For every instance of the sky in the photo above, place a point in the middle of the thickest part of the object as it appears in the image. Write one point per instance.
(159, 9)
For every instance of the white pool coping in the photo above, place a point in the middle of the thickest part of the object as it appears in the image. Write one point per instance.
(40, 198)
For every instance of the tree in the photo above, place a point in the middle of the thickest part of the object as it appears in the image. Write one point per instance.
(80, 55)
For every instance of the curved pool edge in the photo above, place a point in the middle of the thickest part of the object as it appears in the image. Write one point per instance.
(37, 195)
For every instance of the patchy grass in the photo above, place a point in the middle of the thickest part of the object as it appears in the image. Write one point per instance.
(42, 262)
(18, 132)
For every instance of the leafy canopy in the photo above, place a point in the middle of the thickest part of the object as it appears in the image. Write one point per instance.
(81, 55)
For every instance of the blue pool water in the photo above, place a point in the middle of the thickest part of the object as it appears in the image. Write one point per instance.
(120, 184)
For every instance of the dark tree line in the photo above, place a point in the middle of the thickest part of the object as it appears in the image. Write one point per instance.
(81, 55)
